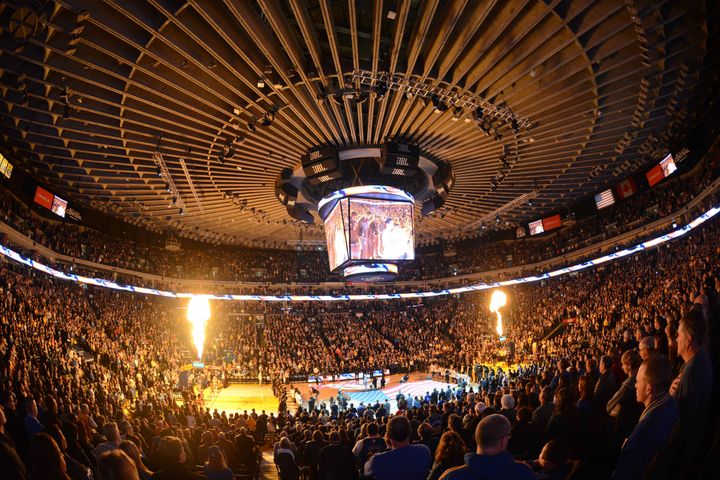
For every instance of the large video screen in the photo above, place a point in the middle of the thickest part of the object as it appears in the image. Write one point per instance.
(663, 170)
(381, 230)
(668, 166)
(336, 235)
(59, 206)
(52, 202)
(536, 227)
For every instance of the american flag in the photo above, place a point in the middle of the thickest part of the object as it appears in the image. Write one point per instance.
(604, 199)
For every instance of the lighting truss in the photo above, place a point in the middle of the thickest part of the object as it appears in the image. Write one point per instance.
(489, 218)
(191, 184)
(167, 178)
(452, 98)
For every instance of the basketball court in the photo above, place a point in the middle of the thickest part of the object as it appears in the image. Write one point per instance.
(238, 397)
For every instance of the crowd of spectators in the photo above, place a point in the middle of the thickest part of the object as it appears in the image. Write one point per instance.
(286, 266)
(615, 376)
(612, 370)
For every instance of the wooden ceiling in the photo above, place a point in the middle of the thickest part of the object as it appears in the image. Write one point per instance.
(91, 90)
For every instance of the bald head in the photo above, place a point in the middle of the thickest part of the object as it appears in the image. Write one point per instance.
(492, 434)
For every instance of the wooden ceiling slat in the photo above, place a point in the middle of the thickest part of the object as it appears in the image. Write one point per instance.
(598, 84)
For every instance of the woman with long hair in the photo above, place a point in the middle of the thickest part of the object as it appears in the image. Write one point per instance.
(116, 465)
(586, 402)
(450, 453)
(563, 424)
(133, 452)
(216, 466)
(47, 461)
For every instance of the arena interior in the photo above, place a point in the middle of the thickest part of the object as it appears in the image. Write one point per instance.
(359, 239)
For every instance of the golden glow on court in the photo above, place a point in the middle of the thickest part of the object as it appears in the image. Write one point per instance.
(498, 300)
(198, 312)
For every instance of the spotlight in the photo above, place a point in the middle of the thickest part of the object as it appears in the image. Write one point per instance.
(457, 114)
(167, 187)
(158, 171)
(478, 113)
(380, 89)
(251, 126)
(66, 111)
(221, 158)
(514, 125)
(266, 121)
(261, 82)
(181, 211)
(530, 204)
(438, 104)
(497, 219)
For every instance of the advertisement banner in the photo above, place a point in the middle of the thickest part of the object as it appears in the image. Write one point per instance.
(44, 198)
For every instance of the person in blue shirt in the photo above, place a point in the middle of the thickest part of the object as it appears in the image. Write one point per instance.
(492, 460)
(653, 431)
(404, 461)
(31, 422)
(216, 467)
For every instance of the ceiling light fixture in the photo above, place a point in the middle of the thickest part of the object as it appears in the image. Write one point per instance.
(457, 114)
(438, 104)
(380, 89)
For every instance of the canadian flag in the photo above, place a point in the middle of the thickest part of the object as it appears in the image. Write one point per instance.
(626, 188)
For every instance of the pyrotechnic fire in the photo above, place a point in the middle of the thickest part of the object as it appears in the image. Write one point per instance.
(198, 312)
(498, 300)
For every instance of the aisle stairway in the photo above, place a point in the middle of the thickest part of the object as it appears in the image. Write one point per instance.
(267, 467)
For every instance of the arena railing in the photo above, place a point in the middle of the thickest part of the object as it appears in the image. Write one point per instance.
(150, 280)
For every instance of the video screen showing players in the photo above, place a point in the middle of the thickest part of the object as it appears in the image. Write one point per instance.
(337, 234)
(381, 230)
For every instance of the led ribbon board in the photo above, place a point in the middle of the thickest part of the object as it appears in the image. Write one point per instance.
(611, 257)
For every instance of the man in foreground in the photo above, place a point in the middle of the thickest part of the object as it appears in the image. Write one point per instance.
(404, 461)
(492, 460)
(655, 427)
